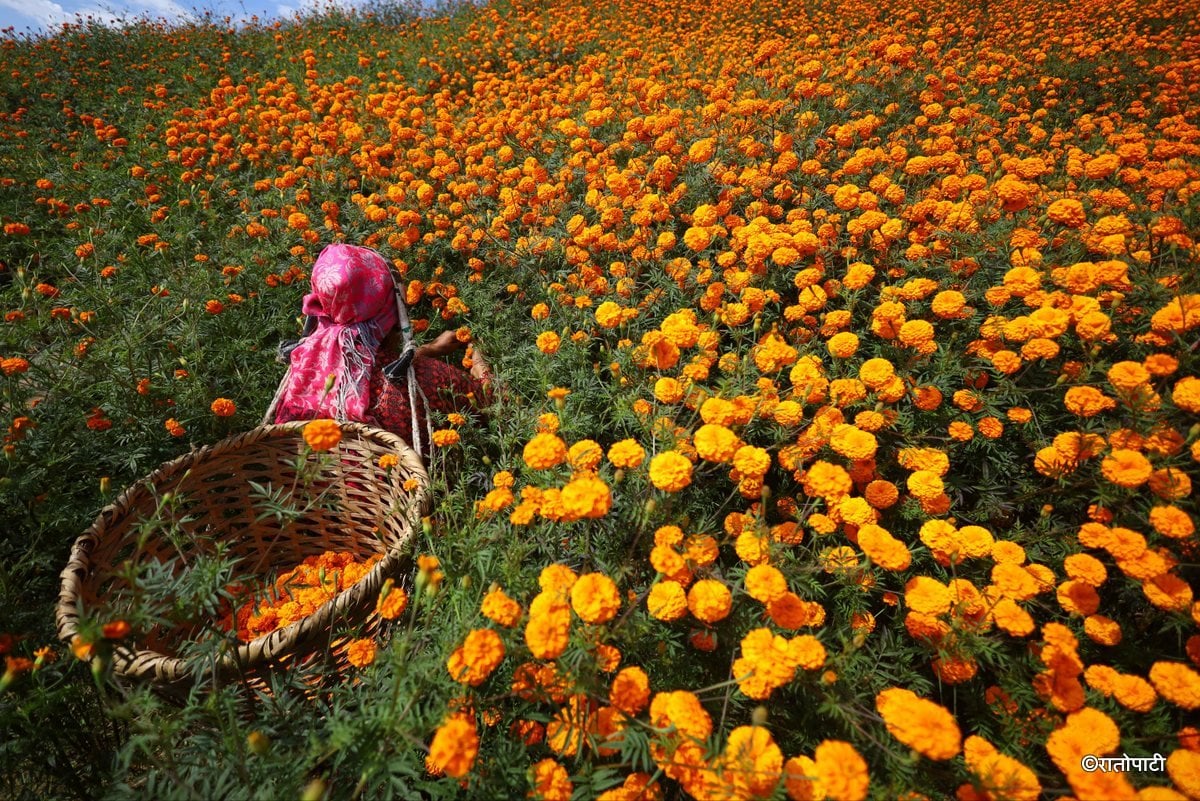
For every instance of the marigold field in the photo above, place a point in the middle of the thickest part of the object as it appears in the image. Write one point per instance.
(848, 416)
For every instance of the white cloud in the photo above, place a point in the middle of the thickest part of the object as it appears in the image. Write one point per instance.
(49, 14)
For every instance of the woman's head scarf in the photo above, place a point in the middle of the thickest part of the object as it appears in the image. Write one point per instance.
(353, 301)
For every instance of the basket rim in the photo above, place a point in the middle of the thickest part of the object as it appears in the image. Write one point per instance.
(248, 655)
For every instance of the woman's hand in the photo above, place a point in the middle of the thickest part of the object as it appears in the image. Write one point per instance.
(445, 344)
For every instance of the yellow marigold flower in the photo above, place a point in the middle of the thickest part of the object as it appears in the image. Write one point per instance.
(715, 443)
(752, 461)
(474, 660)
(788, 413)
(709, 600)
(361, 652)
(884, 549)
(667, 601)
(499, 608)
(550, 781)
(586, 496)
(826, 480)
(626, 454)
(926, 485)
(926, 727)
(1186, 394)
(876, 372)
(322, 435)
(1126, 468)
(630, 691)
(682, 710)
(751, 759)
(843, 345)
(841, 772)
(765, 583)
(1177, 682)
(852, 442)
(454, 748)
(595, 598)
(668, 390)
(1183, 766)
(544, 451)
(556, 579)
(1087, 401)
(670, 471)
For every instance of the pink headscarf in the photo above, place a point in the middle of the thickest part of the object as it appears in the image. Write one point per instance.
(354, 302)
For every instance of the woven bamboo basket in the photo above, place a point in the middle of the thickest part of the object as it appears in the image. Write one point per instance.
(364, 511)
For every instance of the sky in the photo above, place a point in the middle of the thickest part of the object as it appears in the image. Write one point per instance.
(39, 16)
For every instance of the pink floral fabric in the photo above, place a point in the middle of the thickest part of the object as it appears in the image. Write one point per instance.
(353, 300)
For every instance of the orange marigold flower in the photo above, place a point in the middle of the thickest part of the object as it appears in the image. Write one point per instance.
(670, 471)
(715, 443)
(454, 748)
(1177, 682)
(709, 600)
(841, 772)
(667, 601)
(853, 443)
(322, 435)
(550, 781)
(630, 690)
(999, 776)
(1126, 468)
(13, 365)
(586, 496)
(361, 652)
(843, 345)
(223, 407)
(1087, 401)
(392, 601)
(544, 451)
(765, 583)
(548, 342)
(595, 598)
(547, 631)
(752, 461)
(499, 608)
(474, 660)
(925, 485)
(116, 630)
(883, 549)
(626, 454)
(925, 726)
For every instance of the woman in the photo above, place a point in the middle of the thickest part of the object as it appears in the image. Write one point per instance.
(352, 363)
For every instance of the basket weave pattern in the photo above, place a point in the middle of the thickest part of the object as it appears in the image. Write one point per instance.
(364, 511)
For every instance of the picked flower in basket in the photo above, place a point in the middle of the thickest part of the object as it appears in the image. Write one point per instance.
(193, 542)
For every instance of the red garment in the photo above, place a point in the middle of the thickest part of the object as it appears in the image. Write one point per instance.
(448, 389)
